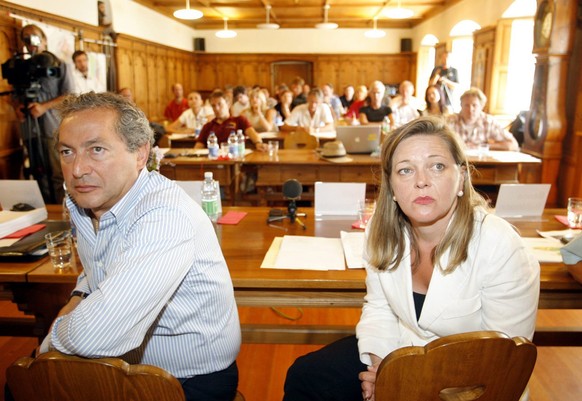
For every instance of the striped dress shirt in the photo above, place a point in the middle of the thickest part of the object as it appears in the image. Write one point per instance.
(159, 289)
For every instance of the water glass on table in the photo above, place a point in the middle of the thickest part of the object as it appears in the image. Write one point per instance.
(60, 248)
(366, 209)
(273, 148)
(575, 212)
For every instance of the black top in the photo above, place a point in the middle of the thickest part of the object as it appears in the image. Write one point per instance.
(376, 115)
(451, 74)
(418, 303)
(345, 102)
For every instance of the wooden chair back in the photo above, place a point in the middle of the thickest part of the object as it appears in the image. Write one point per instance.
(56, 377)
(300, 140)
(483, 365)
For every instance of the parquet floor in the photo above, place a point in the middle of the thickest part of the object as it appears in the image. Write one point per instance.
(262, 367)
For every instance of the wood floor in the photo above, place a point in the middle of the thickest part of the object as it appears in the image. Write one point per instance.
(263, 366)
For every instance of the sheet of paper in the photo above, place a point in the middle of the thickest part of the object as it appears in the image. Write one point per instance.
(353, 244)
(310, 253)
(271, 255)
(544, 249)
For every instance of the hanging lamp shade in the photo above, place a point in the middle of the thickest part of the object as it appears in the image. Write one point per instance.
(398, 12)
(226, 33)
(268, 24)
(375, 32)
(325, 24)
(188, 13)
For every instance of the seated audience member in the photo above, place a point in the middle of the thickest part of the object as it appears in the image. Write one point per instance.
(223, 124)
(404, 105)
(271, 102)
(261, 118)
(437, 263)
(194, 117)
(299, 97)
(241, 100)
(312, 117)
(177, 105)
(476, 127)
(375, 112)
(333, 101)
(155, 288)
(279, 90)
(283, 108)
(435, 102)
(228, 92)
(83, 81)
(348, 97)
(359, 101)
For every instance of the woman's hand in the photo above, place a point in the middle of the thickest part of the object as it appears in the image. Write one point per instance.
(368, 379)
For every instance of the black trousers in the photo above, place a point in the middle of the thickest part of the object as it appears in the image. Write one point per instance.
(217, 386)
(329, 374)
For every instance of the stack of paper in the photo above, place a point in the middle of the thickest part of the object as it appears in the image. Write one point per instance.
(14, 221)
(316, 253)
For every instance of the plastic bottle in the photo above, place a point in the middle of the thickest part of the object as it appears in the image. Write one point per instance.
(210, 196)
(240, 141)
(232, 145)
(386, 126)
(212, 145)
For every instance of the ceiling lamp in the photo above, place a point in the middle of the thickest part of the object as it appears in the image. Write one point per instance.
(225, 33)
(375, 33)
(267, 24)
(398, 12)
(325, 24)
(188, 13)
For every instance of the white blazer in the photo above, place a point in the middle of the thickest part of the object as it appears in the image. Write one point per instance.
(496, 288)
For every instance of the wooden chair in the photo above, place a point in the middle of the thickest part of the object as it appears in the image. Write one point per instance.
(57, 377)
(483, 365)
(300, 140)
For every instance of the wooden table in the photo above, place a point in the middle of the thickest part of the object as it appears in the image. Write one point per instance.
(307, 167)
(244, 247)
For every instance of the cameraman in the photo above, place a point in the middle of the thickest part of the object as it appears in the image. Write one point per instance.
(44, 159)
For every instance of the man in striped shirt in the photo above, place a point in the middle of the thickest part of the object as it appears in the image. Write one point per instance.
(155, 287)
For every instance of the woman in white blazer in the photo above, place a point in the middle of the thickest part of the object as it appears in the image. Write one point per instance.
(437, 264)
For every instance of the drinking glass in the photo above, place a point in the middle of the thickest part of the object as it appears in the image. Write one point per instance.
(366, 209)
(60, 248)
(575, 212)
(273, 148)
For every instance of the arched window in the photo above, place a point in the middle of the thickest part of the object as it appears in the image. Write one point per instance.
(462, 56)
(425, 63)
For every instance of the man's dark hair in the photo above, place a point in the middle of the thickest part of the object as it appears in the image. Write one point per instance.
(239, 90)
(78, 53)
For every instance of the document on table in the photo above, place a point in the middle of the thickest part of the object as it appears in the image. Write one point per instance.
(353, 244)
(544, 249)
(305, 253)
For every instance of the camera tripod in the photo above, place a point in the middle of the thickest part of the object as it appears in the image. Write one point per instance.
(292, 215)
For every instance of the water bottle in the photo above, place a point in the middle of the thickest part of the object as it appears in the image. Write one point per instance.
(386, 126)
(232, 145)
(210, 196)
(240, 141)
(212, 145)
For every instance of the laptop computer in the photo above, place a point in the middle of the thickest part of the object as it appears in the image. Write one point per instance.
(359, 138)
(521, 200)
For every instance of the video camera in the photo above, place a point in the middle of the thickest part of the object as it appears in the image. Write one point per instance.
(24, 74)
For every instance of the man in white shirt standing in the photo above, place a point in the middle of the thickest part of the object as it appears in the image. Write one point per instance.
(312, 117)
(83, 81)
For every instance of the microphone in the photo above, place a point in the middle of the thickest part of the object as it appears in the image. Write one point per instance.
(292, 189)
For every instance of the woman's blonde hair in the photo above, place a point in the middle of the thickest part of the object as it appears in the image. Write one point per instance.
(390, 226)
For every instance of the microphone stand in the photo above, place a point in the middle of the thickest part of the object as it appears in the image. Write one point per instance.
(292, 215)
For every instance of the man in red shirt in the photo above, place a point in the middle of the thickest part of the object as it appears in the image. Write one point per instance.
(223, 124)
(177, 105)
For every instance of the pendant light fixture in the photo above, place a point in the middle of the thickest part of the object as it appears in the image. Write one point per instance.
(325, 24)
(398, 12)
(267, 24)
(225, 33)
(188, 13)
(375, 33)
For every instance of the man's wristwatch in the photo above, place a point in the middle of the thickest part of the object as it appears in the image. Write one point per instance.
(81, 294)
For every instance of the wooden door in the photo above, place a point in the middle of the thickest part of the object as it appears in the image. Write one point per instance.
(286, 71)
